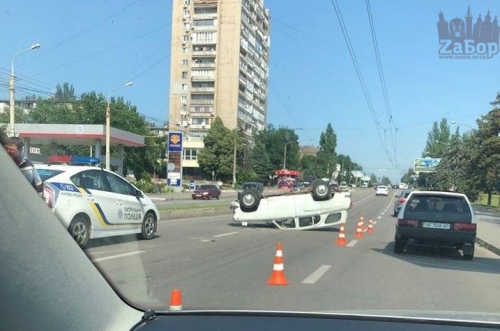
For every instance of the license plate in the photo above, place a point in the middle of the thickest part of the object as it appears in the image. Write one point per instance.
(432, 225)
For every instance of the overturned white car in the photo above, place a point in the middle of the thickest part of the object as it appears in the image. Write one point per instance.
(320, 207)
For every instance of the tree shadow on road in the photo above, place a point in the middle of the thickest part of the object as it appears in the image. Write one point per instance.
(442, 258)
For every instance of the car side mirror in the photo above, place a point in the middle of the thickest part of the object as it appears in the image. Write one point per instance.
(138, 194)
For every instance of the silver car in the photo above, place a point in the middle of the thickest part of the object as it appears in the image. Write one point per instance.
(400, 199)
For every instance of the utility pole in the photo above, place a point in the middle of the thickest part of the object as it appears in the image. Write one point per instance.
(234, 163)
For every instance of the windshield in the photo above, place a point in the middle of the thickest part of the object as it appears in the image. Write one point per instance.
(289, 98)
(48, 173)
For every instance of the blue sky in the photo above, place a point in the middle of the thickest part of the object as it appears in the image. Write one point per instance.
(99, 45)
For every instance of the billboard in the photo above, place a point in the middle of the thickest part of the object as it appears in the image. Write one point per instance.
(427, 164)
(175, 141)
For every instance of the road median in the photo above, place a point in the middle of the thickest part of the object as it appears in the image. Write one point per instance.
(189, 211)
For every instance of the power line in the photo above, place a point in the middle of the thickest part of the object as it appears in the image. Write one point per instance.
(102, 51)
(359, 74)
(390, 117)
(81, 32)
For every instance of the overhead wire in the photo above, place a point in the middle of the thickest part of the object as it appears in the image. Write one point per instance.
(360, 76)
(101, 51)
(390, 116)
(62, 42)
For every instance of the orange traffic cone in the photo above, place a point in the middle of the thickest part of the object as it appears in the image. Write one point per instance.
(341, 238)
(359, 229)
(278, 273)
(370, 226)
(176, 300)
(362, 220)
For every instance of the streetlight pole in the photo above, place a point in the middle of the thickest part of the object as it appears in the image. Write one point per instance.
(12, 90)
(455, 123)
(108, 124)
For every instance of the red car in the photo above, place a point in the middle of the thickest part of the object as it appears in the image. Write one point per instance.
(206, 192)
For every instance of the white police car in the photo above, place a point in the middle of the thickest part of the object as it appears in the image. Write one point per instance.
(95, 203)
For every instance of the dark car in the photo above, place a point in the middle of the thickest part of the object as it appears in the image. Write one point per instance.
(259, 187)
(206, 192)
(435, 219)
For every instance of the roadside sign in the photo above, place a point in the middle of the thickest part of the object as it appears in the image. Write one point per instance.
(192, 184)
(170, 167)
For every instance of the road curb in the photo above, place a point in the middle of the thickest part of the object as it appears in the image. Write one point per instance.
(489, 247)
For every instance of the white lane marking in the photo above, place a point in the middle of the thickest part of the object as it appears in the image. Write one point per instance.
(383, 213)
(379, 217)
(352, 243)
(107, 252)
(117, 256)
(316, 275)
(225, 234)
(374, 222)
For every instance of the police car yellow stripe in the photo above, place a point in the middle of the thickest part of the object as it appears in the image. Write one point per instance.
(101, 218)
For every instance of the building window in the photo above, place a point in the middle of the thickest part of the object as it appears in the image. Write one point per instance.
(184, 87)
(185, 50)
(200, 121)
(184, 63)
(190, 154)
(186, 26)
(184, 99)
(185, 38)
(184, 74)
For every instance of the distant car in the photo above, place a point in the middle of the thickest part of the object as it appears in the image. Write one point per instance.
(437, 219)
(95, 203)
(382, 190)
(259, 187)
(400, 200)
(321, 207)
(206, 192)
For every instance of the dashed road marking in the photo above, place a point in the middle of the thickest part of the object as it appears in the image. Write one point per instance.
(225, 234)
(352, 243)
(316, 275)
(117, 256)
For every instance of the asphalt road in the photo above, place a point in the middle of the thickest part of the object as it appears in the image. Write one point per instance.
(220, 265)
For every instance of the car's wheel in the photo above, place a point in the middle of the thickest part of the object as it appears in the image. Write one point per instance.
(148, 226)
(80, 230)
(321, 190)
(399, 245)
(468, 251)
(218, 197)
(250, 199)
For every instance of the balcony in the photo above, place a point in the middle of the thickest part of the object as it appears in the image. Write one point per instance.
(204, 27)
(208, 52)
(202, 102)
(202, 78)
(205, 3)
(203, 65)
(203, 89)
(205, 114)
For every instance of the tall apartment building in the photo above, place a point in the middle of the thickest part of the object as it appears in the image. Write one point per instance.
(219, 68)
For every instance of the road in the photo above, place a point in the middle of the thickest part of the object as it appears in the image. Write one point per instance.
(219, 264)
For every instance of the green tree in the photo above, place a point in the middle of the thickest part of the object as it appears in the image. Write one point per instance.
(386, 181)
(489, 159)
(217, 155)
(65, 92)
(275, 140)
(261, 164)
(326, 154)
(437, 139)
